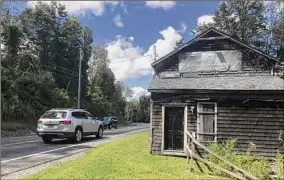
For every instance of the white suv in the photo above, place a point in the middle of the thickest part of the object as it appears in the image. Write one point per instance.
(72, 124)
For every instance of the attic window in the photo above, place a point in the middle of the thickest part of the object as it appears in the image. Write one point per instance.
(207, 121)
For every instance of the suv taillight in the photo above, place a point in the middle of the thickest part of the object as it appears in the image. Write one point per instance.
(39, 122)
(66, 122)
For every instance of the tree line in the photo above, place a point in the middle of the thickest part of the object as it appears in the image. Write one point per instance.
(259, 23)
(40, 54)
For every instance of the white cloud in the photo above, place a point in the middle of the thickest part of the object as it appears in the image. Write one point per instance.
(131, 38)
(137, 92)
(117, 20)
(183, 28)
(205, 19)
(122, 50)
(80, 7)
(123, 7)
(161, 4)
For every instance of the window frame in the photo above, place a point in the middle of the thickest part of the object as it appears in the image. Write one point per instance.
(215, 113)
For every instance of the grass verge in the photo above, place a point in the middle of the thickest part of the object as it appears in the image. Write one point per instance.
(126, 158)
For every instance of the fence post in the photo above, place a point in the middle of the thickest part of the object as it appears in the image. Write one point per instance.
(192, 144)
(187, 152)
(192, 147)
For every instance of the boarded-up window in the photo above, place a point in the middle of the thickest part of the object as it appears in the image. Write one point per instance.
(207, 121)
(210, 61)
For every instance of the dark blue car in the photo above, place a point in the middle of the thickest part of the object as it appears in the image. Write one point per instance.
(109, 121)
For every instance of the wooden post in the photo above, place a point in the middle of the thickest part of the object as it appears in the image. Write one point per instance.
(187, 145)
(192, 152)
(192, 143)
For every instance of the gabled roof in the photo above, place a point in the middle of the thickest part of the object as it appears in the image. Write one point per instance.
(218, 83)
(210, 30)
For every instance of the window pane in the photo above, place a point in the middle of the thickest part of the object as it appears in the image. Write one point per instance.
(207, 107)
(54, 115)
(89, 116)
(76, 114)
(207, 123)
(79, 115)
(83, 115)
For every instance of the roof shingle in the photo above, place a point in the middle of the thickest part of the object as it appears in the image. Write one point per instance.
(219, 83)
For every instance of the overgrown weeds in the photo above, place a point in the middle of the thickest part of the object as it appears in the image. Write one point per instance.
(256, 165)
(279, 165)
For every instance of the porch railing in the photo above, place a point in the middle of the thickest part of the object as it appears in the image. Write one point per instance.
(191, 150)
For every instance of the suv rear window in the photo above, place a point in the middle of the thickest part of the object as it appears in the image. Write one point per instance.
(54, 115)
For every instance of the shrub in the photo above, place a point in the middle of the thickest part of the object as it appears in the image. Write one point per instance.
(257, 166)
(279, 165)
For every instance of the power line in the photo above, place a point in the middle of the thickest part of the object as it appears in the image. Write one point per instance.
(71, 76)
(66, 73)
(132, 59)
(60, 67)
(62, 75)
(53, 68)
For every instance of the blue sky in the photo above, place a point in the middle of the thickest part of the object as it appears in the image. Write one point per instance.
(130, 29)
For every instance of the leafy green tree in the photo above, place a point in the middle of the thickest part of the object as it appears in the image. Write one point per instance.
(40, 54)
(277, 29)
(138, 110)
(234, 18)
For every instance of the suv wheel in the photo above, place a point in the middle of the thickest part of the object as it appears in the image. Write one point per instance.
(110, 126)
(46, 139)
(78, 135)
(100, 132)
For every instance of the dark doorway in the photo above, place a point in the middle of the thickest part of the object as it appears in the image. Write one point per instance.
(174, 121)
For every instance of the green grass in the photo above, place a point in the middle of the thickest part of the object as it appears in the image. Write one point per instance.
(126, 158)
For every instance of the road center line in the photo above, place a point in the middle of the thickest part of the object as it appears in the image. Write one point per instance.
(31, 155)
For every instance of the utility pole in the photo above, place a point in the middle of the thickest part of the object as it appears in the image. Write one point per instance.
(80, 67)
(79, 83)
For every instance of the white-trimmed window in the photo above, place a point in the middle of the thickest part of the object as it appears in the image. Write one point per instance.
(207, 121)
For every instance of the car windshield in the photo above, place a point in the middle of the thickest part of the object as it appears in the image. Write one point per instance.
(54, 115)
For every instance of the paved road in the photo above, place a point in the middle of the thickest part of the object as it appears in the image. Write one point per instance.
(21, 153)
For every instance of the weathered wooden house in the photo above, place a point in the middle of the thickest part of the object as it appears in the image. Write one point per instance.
(220, 88)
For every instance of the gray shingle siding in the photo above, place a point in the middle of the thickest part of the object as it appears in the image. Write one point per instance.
(219, 83)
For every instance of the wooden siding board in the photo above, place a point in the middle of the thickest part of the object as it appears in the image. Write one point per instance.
(257, 125)
(157, 125)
